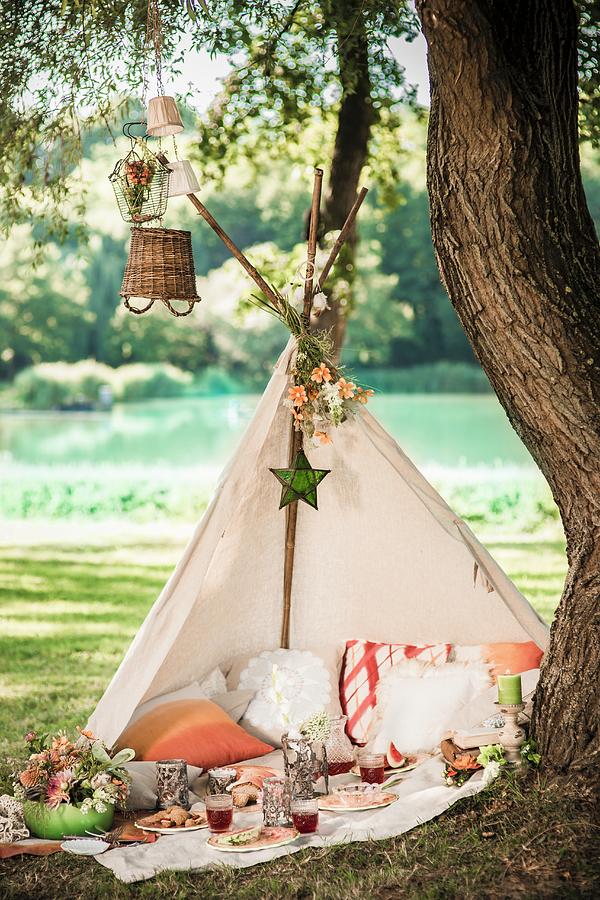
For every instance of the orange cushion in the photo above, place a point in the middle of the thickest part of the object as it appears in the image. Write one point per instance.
(198, 731)
(512, 658)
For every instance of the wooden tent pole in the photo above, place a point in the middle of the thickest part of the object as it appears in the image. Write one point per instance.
(341, 238)
(233, 249)
(296, 436)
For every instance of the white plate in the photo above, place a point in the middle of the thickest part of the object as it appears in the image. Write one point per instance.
(259, 844)
(323, 805)
(179, 830)
(85, 847)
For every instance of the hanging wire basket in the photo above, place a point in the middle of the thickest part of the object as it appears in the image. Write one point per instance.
(140, 182)
(160, 266)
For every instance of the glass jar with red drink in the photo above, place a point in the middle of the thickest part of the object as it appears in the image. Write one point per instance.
(372, 767)
(339, 750)
(219, 812)
(305, 815)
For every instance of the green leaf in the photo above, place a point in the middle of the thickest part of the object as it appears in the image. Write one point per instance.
(492, 753)
(122, 757)
(99, 753)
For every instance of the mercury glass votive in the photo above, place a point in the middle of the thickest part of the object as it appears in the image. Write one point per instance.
(172, 783)
(276, 797)
(219, 780)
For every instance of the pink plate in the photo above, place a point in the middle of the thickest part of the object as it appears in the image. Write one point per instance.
(268, 839)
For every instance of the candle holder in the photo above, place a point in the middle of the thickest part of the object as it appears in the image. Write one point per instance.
(276, 799)
(511, 735)
(172, 783)
(220, 780)
(305, 762)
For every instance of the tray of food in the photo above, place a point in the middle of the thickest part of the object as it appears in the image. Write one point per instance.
(172, 820)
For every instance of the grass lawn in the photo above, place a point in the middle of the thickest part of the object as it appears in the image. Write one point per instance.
(68, 610)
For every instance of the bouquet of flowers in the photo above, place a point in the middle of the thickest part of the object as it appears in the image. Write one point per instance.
(320, 397)
(81, 772)
(139, 174)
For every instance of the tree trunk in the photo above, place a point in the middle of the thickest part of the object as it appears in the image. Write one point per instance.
(355, 118)
(518, 253)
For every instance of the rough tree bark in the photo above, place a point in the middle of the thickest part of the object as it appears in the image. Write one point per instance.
(518, 253)
(355, 119)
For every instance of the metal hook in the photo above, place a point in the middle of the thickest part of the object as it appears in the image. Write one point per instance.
(127, 129)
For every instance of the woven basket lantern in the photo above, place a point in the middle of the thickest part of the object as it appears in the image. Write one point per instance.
(160, 266)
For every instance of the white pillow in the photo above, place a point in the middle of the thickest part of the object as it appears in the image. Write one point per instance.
(289, 686)
(214, 683)
(417, 703)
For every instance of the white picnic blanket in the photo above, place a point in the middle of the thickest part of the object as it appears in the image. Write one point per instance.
(422, 793)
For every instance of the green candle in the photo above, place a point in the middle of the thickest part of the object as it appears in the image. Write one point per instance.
(509, 690)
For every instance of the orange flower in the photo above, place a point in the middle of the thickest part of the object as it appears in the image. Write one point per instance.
(87, 733)
(465, 762)
(321, 374)
(30, 777)
(313, 393)
(298, 395)
(346, 389)
(363, 395)
(323, 437)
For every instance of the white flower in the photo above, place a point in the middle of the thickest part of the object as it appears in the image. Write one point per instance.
(491, 772)
(100, 780)
(290, 686)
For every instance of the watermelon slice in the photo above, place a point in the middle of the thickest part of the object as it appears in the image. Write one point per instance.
(395, 759)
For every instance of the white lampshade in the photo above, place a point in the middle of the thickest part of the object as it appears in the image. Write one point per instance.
(163, 117)
(183, 178)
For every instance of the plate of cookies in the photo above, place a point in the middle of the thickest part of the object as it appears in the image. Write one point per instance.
(172, 820)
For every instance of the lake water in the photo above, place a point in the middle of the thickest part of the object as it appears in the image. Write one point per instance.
(446, 430)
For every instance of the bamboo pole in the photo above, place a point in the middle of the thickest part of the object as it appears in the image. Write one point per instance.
(341, 239)
(296, 436)
(233, 249)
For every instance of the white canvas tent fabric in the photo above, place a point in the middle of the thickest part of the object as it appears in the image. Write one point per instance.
(384, 558)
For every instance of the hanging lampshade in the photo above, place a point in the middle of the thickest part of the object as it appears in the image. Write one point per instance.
(160, 266)
(183, 179)
(163, 117)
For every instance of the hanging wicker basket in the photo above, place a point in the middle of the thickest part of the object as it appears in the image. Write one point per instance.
(160, 266)
(141, 185)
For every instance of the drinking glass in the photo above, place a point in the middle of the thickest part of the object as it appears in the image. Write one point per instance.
(305, 815)
(372, 767)
(219, 812)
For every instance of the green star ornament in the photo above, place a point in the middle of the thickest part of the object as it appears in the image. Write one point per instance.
(300, 481)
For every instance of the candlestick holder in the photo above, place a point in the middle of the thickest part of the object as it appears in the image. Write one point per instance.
(511, 735)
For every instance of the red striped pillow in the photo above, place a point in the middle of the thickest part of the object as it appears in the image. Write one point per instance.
(364, 664)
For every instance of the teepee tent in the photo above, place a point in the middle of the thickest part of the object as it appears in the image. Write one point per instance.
(383, 558)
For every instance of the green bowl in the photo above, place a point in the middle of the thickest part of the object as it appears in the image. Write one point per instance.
(66, 819)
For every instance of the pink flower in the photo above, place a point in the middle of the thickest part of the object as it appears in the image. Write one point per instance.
(31, 736)
(346, 389)
(55, 792)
